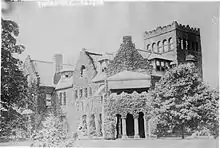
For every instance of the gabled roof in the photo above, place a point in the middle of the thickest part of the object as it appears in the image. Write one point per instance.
(100, 77)
(158, 56)
(128, 75)
(150, 56)
(45, 71)
(64, 83)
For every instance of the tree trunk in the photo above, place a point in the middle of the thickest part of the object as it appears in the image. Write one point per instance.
(182, 131)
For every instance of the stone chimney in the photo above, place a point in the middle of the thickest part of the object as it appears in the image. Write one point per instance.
(127, 39)
(57, 63)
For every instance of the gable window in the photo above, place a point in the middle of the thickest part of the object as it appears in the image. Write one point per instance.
(81, 93)
(82, 71)
(148, 47)
(76, 94)
(60, 98)
(86, 92)
(64, 98)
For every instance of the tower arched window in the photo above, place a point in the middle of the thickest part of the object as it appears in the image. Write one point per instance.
(154, 49)
(170, 42)
(160, 47)
(82, 70)
(165, 46)
(184, 44)
(197, 47)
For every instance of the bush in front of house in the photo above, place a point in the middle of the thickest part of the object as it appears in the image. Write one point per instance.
(109, 128)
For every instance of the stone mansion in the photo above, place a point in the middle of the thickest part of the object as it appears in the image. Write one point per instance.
(79, 94)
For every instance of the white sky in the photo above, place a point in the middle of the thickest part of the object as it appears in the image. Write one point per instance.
(66, 30)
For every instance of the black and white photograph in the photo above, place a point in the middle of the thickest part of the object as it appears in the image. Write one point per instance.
(96, 73)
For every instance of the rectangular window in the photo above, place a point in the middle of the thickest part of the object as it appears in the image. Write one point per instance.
(81, 93)
(86, 92)
(48, 100)
(76, 94)
(60, 98)
(64, 98)
(90, 91)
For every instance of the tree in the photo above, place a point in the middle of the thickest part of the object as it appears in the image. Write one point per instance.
(13, 82)
(182, 100)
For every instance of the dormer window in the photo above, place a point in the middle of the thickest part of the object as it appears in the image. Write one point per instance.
(82, 71)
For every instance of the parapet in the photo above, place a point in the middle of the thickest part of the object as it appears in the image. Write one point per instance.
(164, 29)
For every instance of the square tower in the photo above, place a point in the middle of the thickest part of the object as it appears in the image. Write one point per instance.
(175, 41)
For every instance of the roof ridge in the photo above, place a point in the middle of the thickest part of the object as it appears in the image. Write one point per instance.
(50, 62)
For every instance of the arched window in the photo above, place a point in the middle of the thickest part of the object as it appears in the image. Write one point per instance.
(170, 42)
(64, 98)
(154, 49)
(60, 98)
(184, 44)
(165, 46)
(160, 47)
(148, 47)
(197, 47)
(82, 70)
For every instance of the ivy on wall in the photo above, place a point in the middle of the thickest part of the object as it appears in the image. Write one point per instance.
(128, 103)
(128, 58)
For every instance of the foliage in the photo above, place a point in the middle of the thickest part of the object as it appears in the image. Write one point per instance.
(109, 128)
(13, 82)
(181, 100)
(127, 103)
(128, 58)
(52, 133)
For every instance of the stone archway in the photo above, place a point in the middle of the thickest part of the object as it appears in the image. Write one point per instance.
(141, 123)
(119, 126)
(130, 125)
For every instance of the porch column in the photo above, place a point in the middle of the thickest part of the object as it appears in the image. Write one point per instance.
(88, 124)
(97, 126)
(136, 130)
(145, 126)
(149, 128)
(124, 133)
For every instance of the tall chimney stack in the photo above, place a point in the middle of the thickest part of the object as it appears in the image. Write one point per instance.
(57, 62)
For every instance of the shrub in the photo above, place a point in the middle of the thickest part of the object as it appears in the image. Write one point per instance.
(109, 128)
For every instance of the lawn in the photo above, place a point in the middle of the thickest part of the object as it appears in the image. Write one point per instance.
(148, 143)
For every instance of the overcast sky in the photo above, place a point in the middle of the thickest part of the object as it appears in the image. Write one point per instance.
(66, 30)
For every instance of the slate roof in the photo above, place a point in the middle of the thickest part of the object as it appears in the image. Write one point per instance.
(149, 55)
(45, 71)
(100, 77)
(64, 83)
(129, 75)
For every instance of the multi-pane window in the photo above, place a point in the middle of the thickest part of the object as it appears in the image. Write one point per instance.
(64, 98)
(48, 100)
(76, 94)
(86, 92)
(161, 65)
(80, 93)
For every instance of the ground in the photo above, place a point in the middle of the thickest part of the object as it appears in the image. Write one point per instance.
(159, 143)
